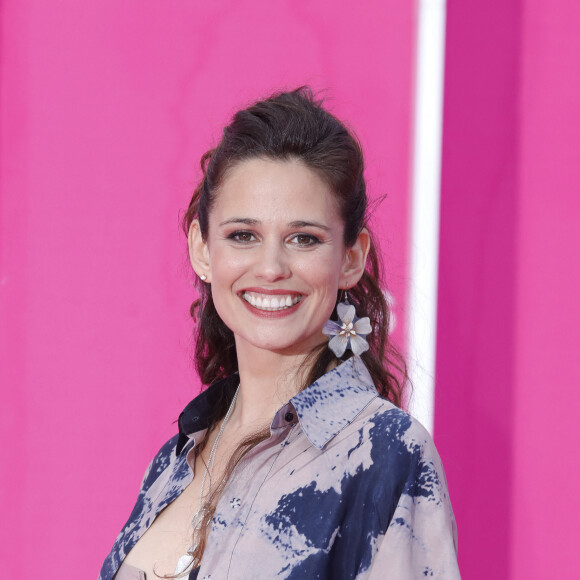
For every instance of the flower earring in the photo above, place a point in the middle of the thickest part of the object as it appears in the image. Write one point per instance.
(348, 331)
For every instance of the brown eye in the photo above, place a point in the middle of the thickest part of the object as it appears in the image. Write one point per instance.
(304, 240)
(243, 237)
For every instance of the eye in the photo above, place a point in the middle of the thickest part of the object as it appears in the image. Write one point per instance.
(242, 236)
(304, 240)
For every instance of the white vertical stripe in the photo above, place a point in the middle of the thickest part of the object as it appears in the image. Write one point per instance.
(425, 207)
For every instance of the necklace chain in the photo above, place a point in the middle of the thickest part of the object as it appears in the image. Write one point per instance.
(197, 518)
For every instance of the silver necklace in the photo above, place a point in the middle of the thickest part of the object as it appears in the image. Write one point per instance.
(197, 519)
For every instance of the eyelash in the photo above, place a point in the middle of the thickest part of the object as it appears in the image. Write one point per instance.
(312, 240)
(237, 237)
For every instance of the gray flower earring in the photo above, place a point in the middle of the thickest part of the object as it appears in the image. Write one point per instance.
(348, 331)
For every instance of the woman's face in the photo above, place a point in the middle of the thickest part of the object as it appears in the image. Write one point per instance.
(275, 255)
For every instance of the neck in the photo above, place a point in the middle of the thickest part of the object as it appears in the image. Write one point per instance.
(268, 380)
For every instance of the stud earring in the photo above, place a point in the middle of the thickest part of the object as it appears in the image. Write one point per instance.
(203, 277)
(349, 331)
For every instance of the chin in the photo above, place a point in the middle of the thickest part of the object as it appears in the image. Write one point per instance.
(284, 346)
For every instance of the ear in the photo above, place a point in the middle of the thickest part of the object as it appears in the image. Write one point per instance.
(354, 262)
(198, 252)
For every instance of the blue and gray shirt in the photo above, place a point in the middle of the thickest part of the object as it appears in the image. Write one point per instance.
(347, 486)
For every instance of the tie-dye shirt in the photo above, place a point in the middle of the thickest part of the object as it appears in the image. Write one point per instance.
(346, 486)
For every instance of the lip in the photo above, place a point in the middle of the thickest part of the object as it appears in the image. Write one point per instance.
(272, 291)
(271, 314)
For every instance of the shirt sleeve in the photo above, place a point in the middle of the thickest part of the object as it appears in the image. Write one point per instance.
(421, 538)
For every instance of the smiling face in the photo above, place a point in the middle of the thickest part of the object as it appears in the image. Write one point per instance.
(275, 255)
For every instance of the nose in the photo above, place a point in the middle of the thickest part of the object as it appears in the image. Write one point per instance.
(272, 263)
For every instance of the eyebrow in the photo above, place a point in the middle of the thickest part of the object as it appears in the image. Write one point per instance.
(303, 224)
(254, 222)
(239, 220)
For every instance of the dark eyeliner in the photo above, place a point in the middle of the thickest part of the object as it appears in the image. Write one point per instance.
(235, 236)
(312, 240)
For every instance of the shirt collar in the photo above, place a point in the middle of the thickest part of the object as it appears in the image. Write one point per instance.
(198, 413)
(324, 408)
(332, 402)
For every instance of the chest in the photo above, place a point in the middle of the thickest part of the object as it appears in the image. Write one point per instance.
(171, 533)
(287, 504)
(294, 508)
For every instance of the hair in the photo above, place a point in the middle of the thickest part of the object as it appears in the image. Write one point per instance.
(287, 126)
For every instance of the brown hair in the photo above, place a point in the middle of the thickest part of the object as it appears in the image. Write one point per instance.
(294, 125)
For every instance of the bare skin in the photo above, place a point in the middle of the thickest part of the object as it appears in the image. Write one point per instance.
(171, 534)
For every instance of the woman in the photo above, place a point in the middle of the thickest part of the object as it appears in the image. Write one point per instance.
(296, 461)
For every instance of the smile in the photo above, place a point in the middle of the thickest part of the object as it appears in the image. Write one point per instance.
(271, 303)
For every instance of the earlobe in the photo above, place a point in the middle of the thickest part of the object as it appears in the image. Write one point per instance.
(355, 260)
(198, 252)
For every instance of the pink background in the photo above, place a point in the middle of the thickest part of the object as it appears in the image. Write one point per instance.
(508, 364)
(105, 108)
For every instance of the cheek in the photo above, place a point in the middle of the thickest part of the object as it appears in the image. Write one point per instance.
(321, 269)
(323, 276)
(226, 264)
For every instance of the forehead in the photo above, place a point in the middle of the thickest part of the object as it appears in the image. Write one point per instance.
(266, 189)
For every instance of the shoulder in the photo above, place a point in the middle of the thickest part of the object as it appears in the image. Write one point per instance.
(394, 426)
(401, 445)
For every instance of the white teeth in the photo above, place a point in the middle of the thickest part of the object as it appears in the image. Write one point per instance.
(271, 303)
